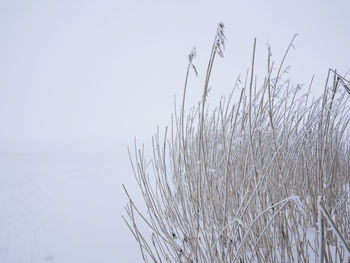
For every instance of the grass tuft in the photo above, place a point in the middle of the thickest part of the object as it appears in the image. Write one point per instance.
(241, 183)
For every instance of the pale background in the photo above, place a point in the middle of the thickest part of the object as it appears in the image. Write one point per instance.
(80, 79)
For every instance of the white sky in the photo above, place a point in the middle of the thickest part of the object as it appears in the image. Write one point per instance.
(107, 70)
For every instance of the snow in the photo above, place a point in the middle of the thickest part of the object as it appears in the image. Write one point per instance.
(64, 207)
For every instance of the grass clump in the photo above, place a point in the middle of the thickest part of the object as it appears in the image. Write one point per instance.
(240, 183)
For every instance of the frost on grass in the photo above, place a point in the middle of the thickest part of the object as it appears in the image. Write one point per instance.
(240, 183)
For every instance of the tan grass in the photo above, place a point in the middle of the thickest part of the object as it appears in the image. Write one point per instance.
(240, 183)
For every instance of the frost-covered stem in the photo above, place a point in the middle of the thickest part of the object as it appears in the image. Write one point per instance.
(217, 48)
(250, 110)
(271, 111)
(268, 224)
(218, 45)
(284, 202)
(321, 250)
(236, 220)
(321, 138)
(201, 149)
(191, 57)
(229, 155)
(183, 100)
(332, 223)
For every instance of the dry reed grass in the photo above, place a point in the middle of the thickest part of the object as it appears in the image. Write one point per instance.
(241, 183)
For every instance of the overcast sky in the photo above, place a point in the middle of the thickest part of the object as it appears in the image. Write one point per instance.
(103, 71)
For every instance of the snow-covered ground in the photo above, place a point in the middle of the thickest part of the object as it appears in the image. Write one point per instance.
(57, 206)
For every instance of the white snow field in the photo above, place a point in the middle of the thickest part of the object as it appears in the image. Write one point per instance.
(58, 206)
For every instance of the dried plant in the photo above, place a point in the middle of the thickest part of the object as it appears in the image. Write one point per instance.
(241, 183)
